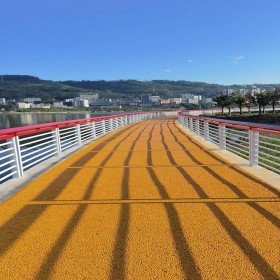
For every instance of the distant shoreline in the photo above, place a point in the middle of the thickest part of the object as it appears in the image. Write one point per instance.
(54, 112)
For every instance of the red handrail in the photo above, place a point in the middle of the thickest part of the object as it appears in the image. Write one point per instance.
(36, 128)
(267, 128)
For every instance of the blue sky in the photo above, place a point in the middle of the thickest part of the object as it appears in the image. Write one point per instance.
(214, 41)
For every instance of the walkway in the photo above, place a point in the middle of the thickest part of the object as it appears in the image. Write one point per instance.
(146, 202)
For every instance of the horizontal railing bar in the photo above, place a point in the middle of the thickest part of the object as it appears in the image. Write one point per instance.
(39, 160)
(65, 147)
(270, 136)
(246, 156)
(237, 144)
(5, 144)
(5, 150)
(7, 169)
(67, 132)
(35, 136)
(276, 170)
(237, 148)
(7, 156)
(42, 153)
(37, 151)
(38, 145)
(270, 161)
(238, 132)
(262, 147)
(6, 163)
(7, 176)
(262, 154)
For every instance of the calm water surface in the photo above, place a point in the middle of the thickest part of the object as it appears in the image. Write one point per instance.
(22, 119)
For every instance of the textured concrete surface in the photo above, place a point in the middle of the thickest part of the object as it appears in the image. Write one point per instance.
(147, 202)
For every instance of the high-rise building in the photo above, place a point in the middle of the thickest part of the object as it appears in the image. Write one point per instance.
(89, 96)
(146, 99)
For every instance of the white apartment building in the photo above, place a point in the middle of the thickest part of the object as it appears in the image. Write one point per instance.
(57, 104)
(40, 106)
(77, 102)
(177, 100)
(22, 105)
(32, 99)
(89, 96)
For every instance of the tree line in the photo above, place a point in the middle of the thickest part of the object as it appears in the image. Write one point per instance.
(261, 99)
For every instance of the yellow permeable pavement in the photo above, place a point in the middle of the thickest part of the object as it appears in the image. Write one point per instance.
(145, 202)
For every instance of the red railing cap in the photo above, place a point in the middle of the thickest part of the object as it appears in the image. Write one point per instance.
(244, 125)
(7, 133)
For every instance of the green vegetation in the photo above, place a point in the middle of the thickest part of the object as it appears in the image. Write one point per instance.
(164, 88)
(268, 118)
(261, 99)
(23, 86)
(19, 87)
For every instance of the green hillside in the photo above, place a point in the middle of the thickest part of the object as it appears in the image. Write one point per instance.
(164, 88)
(22, 86)
(18, 87)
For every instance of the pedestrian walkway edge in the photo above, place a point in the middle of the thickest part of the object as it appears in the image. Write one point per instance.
(259, 172)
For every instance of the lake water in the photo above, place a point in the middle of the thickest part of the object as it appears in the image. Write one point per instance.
(21, 119)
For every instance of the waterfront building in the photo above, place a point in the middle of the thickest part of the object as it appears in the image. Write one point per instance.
(32, 99)
(22, 105)
(89, 96)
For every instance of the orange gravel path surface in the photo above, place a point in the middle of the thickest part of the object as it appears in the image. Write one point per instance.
(145, 202)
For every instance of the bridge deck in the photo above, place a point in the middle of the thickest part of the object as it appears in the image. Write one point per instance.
(146, 202)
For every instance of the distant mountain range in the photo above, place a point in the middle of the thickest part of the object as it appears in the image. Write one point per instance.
(22, 86)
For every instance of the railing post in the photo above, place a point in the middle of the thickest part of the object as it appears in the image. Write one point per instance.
(111, 124)
(197, 126)
(93, 130)
(253, 148)
(79, 137)
(56, 137)
(191, 124)
(206, 131)
(185, 122)
(17, 157)
(222, 137)
(103, 127)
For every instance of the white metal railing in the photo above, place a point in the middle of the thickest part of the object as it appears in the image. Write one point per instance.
(258, 143)
(22, 148)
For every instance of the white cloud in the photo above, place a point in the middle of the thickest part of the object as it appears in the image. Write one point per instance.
(189, 60)
(167, 70)
(239, 57)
